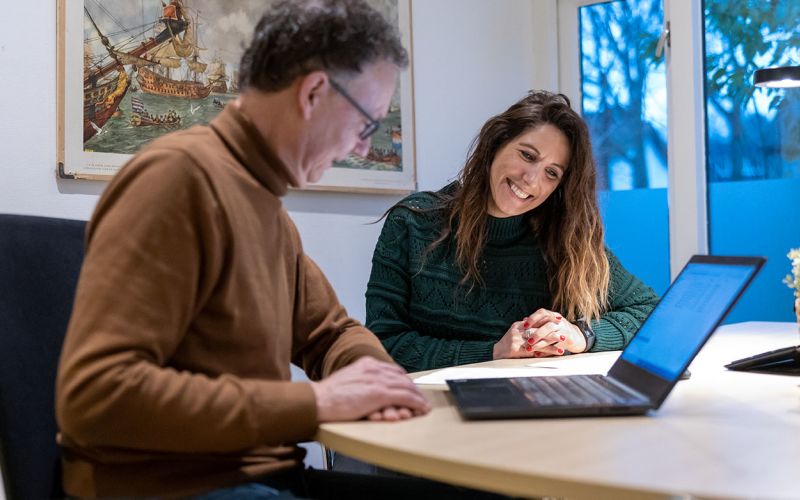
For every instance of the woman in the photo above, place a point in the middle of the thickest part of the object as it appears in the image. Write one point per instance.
(508, 261)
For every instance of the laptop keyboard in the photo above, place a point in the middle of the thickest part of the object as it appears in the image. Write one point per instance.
(576, 390)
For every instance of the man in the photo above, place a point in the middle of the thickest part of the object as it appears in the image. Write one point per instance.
(195, 294)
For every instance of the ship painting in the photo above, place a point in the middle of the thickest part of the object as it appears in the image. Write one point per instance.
(158, 53)
(106, 82)
(150, 67)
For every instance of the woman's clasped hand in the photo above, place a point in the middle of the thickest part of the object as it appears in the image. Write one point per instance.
(543, 333)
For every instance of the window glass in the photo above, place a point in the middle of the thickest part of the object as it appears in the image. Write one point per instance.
(753, 145)
(623, 86)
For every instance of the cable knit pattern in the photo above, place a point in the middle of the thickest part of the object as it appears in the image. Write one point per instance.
(426, 319)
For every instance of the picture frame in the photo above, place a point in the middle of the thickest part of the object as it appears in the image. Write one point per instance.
(129, 71)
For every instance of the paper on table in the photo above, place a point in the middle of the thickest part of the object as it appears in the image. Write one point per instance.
(593, 363)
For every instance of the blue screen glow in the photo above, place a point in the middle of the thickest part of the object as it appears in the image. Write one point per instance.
(678, 326)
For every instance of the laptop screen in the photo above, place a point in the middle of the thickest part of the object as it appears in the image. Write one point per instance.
(680, 324)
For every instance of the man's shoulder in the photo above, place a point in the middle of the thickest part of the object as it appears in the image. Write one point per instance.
(186, 153)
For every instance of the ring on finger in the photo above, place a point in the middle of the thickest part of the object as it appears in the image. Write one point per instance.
(527, 333)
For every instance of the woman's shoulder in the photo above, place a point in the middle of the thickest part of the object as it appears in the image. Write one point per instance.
(427, 199)
(615, 267)
(422, 206)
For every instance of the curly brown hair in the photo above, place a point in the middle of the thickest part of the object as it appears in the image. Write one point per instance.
(295, 37)
(568, 223)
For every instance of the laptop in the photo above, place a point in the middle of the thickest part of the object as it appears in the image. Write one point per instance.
(646, 371)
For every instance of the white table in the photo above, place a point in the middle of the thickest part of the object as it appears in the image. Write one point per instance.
(721, 434)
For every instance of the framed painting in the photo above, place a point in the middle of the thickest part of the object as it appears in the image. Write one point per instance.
(130, 71)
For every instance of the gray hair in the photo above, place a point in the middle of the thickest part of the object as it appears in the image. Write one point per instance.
(295, 37)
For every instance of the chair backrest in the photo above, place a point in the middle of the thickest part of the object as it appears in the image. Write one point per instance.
(40, 259)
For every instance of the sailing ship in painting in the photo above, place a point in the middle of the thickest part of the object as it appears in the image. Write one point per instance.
(234, 86)
(162, 58)
(169, 57)
(217, 78)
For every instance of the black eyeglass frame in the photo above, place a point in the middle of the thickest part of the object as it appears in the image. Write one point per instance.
(372, 124)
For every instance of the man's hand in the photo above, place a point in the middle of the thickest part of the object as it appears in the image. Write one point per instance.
(368, 388)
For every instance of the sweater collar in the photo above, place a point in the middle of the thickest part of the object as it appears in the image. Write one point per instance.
(500, 230)
(252, 151)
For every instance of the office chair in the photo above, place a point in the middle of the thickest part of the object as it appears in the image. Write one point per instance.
(40, 259)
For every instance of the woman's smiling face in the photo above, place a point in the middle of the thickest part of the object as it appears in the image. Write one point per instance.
(527, 170)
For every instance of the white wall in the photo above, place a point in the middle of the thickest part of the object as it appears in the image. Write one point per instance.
(472, 58)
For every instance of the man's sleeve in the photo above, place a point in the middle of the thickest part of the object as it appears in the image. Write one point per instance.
(326, 338)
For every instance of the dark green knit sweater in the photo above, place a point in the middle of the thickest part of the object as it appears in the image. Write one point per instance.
(426, 319)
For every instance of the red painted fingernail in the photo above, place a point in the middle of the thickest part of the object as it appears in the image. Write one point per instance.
(562, 338)
(530, 341)
(526, 325)
(558, 317)
(529, 349)
(537, 353)
(560, 350)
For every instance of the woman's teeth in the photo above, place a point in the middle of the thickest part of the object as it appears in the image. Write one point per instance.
(522, 195)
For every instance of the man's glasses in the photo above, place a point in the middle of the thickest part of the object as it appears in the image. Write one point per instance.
(372, 124)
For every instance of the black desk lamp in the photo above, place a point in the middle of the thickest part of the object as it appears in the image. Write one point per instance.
(782, 77)
(785, 361)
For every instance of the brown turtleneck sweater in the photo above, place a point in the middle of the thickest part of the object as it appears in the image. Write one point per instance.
(194, 297)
